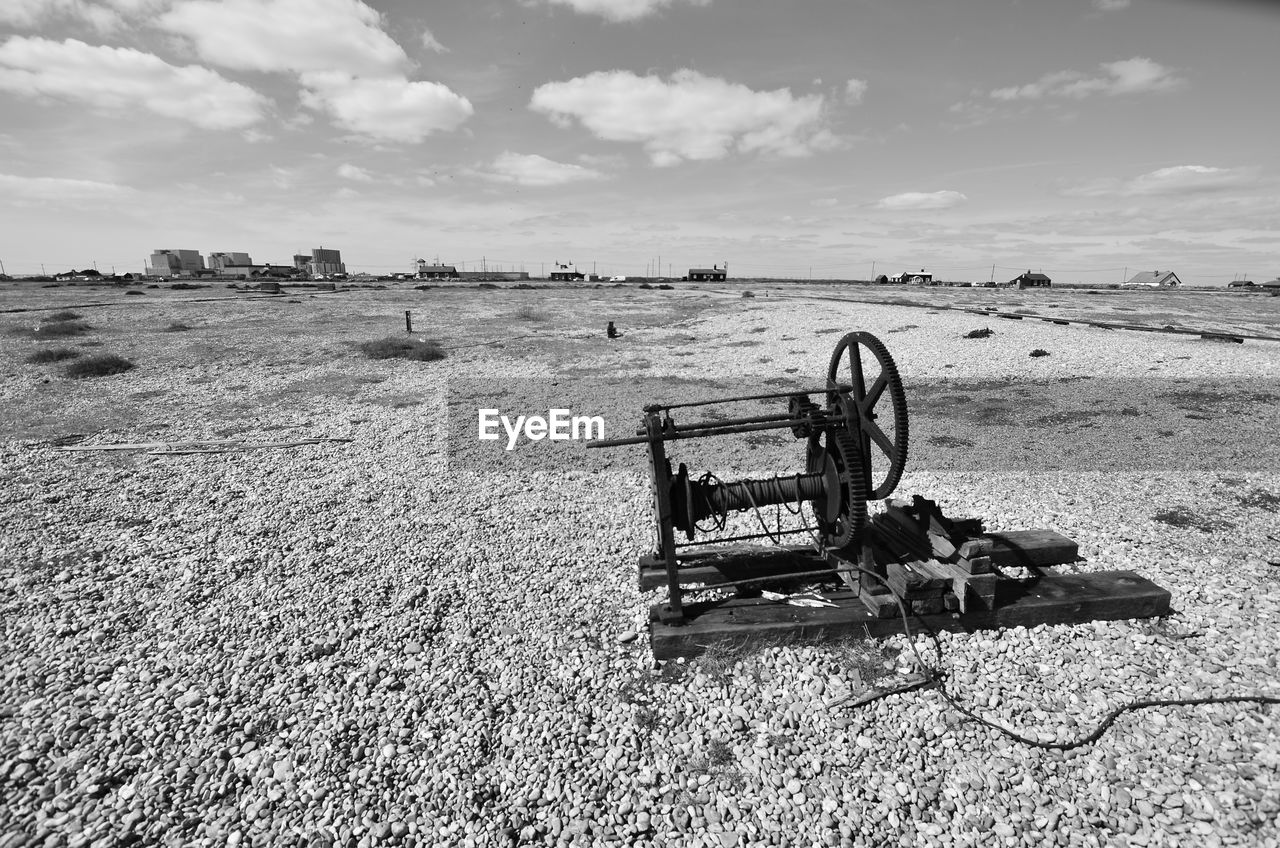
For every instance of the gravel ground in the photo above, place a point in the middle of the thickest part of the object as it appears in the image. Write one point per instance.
(385, 641)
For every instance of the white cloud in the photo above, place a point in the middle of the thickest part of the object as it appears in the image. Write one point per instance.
(922, 200)
(621, 10)
(122, 79)
(824, 202)
(430, 42)
(1127, 76)
(534, 170)
(58, 188)
(354, 172)
(387, 109)
(348, 66)
(288, 35)
(1182, 179)
(27, 14)
(1176, 180)
(854, 90)
(689, 117)
(1110, 5)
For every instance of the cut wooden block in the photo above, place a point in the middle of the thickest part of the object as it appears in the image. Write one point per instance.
(980, 588)
(977, 565)
(942, 547)
(911, 581)
(975, 548)
(880, 604)
(1032, 547)
(927, 606)
(964, 585)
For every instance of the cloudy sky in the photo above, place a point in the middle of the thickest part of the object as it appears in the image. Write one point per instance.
(1080, 137)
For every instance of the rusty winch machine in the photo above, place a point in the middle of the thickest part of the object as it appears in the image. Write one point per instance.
(908, 557)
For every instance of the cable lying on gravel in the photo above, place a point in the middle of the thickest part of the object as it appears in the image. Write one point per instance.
(932, 678)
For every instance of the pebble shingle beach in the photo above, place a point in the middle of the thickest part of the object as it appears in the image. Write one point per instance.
(388, 640)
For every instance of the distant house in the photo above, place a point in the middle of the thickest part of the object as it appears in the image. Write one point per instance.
(1272, 285)
(566, 274)
(881, 280)
(915, 278)
(1154, 280)
(436, 272)
(714, 274)
(1031, 281)
(1241, 284)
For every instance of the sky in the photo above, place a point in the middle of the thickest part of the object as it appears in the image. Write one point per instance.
(1088, 139)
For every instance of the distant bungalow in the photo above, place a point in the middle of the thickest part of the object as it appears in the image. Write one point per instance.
(1153, 280)
(1031, 281)
(565, 274)
(919, 278)
(714, 274)
(436, 272)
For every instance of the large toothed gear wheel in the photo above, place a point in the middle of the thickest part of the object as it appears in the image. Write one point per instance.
(841, 511)
(883, 450)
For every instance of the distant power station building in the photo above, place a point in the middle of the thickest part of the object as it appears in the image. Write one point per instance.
(222, 260)
(320, 262)
(175, 263)
(326, 262)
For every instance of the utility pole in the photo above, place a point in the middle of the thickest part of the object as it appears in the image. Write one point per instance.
(2, 271)
(1122, 279)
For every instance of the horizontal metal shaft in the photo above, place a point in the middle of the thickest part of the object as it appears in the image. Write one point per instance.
(717, 428)
(655, 407)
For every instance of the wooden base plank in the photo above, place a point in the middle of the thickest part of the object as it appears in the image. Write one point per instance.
(1048, 599)
(716, 565)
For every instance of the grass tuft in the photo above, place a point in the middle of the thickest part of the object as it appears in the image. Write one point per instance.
(1183, 517)
(1261, 499)
(64, 315)
(178, 327)
(979, 334)
(55, 329)
(52, 354)
(528, 313)
(1039, 352)
(103, 365)
(421, 350)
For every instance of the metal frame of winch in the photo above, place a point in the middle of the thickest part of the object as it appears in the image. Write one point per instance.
(841, 435)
